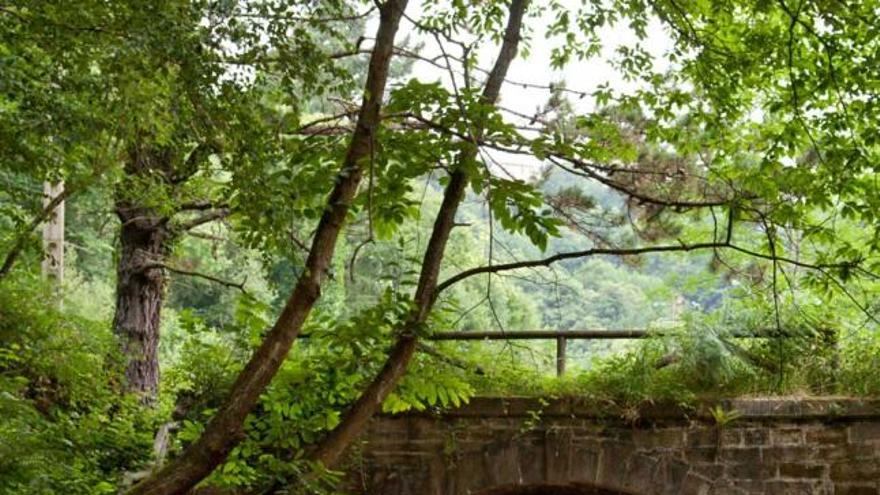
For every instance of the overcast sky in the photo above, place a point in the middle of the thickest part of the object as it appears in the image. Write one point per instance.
(584, 76)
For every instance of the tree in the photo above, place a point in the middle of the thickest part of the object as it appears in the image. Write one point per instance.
(332, 447)
(49, 132)
(177, 120)
(223, 432)
(752, 90)
(604, 149)
(193, 122)
(53, 234)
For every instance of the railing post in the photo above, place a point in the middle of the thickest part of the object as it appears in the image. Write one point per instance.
(560, 356)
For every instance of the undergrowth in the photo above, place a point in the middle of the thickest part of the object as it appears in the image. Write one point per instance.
(701, 360)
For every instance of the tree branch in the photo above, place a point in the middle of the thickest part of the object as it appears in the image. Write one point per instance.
(583, 169)
(202, 205)
(329, 450)
(450, 360)
(632, 252)
(205, 276)
(226, 428)
(206, 236)
(203, 219)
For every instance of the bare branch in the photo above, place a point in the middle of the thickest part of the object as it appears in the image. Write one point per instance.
(202, 205)
(205, 276)
(204, 235)
(210, 216)
(631, 252)
(333, 445)
(572, 255)
(226, 428)
(306, 19)
(585, 169)
(451, 360)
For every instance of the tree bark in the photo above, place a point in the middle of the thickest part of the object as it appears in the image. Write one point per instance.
(329, 450)
(21, 239)
(226, 428)
(140, 291)
(53, 234)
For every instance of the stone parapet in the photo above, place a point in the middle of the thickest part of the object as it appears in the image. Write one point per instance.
(506, 446)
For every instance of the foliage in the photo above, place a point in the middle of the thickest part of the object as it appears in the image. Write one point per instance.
(755, 132)
(65, 427)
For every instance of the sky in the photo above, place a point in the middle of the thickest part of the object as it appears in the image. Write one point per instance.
(582, 76)
(529, 77)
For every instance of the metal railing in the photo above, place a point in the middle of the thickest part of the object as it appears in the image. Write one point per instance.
(561, 336)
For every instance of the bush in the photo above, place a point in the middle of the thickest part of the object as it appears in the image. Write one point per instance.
(65, 428)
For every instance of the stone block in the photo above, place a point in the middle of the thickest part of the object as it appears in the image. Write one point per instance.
(467, 476)
(584, 464)
(501, 464)
(750, 471)
(857, 489)
(709, 471)
(619, 435)
(799, 470)
(782, 487)
(854, 452)
(670, 475)
(702, 437)
(659, 439)
(435, 484)
(855, 471)
(752, 487)
(557, 456)
(731, 437)
(613, 464)
(727, 490)
(756, 437)
(787, 436)
(532, 463)
(787, 453)
(695, 485)
(640, 473)
(702, 455)
(741, 455)
(826, 435)
(864, 432)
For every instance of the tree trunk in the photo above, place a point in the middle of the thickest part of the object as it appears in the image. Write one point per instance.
(53, 233)
(22, 237)
(329, 450)
(140, 291)
(226, 428)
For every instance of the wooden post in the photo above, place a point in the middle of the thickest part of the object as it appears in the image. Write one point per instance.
(53, 235)
(560, 356)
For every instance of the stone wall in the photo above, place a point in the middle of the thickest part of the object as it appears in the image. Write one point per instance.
(523, 446)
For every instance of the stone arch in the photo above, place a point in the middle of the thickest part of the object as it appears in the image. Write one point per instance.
(419, 456)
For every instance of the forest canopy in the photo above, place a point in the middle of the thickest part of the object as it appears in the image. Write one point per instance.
(231, 231)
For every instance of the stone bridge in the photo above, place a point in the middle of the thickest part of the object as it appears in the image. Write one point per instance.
(520, 446)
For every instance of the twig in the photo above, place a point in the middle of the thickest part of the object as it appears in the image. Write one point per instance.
(210, 216)
(458, 363)
(191, 273)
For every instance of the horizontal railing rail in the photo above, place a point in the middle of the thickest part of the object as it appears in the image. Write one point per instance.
(544, 334)
(563, 336)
